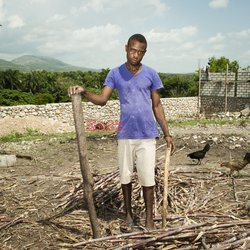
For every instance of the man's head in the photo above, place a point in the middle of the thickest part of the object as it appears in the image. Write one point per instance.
(136, 49)
(137, 37)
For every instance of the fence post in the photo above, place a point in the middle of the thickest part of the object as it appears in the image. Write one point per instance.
(226, 84)
(199, 93)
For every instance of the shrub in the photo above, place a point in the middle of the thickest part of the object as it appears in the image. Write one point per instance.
(14, 97)
(43, 98)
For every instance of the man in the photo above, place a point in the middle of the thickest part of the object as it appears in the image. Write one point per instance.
(140, 105)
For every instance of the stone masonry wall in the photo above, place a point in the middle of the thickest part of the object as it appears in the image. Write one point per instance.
(218, 76)
(215, 104)
(213, 92)
(59, 116)
(217, 89)
(214, 84)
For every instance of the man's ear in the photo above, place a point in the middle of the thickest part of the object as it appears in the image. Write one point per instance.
(126, 48)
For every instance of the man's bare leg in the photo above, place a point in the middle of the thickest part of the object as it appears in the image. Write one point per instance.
(148, 195)
(127, 192)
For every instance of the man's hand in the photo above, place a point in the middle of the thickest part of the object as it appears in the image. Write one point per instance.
(170, 142)
(76, 90)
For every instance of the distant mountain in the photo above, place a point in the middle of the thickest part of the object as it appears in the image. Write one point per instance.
(30, 62)
(4, 65)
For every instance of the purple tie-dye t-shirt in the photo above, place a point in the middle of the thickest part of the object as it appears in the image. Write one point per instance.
(137, 119)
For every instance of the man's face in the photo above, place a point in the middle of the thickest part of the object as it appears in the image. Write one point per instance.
(135, 52)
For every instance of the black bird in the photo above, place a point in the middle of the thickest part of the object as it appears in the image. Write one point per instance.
(247, 157)
(199, 155)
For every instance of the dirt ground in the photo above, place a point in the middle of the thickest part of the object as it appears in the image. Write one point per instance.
(34, 189)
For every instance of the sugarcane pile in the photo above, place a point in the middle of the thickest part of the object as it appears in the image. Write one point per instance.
(107, 193)
(205, 210)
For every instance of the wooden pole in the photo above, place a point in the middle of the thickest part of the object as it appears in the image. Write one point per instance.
(199, 93)
(165, 191)
(85, 169)
(226, 83)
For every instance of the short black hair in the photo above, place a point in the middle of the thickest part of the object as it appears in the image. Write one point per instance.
(138, 37)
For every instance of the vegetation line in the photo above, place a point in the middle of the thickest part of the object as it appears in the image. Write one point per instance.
(32, 134)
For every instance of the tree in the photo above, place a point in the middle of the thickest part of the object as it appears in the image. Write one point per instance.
(10, 79)
(220, 64)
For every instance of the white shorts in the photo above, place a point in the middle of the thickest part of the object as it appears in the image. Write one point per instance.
(142, 153)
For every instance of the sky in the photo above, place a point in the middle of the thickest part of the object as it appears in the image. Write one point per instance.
(182, 34)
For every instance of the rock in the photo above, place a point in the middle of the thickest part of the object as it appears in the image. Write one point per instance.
(245, 112)
(215, 139)
(7, 160)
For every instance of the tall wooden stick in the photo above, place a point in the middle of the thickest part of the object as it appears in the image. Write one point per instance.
(226, 84)
(165, 192)
(199, 93)
(85, 169)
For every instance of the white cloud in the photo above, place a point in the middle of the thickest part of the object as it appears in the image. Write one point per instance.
(92, 47)
(158, 5)
(243, 34)
(38, 1)
(94, 5)
(98, 6)
(217, 4)
(77, 41)
(96, 36)
(2, 11)
(218, 46)
(174, 35)
(173, 48)
(246, 54)
(188, 46)
(15, 22)
(92, 33)
(218, 38)
(55, 18)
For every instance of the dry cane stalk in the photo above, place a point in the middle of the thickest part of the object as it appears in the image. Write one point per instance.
(165, 192)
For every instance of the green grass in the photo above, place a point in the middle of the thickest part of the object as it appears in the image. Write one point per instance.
(32, 134)
(215, 121)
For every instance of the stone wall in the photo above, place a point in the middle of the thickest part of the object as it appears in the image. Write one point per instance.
(213, 92)
(215, 77)
(58, 117)
(215, 104)
(210, 88)
(214, 84)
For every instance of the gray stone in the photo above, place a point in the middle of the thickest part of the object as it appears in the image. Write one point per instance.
(7, 160)
(245, 112)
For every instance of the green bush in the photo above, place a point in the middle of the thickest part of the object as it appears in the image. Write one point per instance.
(43, 98)
(10, 97)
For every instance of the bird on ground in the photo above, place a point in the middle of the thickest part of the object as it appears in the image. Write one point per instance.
(199, 155)
(236, 165)
(247, 207)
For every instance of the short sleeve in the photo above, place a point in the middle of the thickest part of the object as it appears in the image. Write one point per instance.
(110, 80)
(156, 81)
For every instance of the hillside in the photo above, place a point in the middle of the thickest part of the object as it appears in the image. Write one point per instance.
(5, 65)
(30, 62)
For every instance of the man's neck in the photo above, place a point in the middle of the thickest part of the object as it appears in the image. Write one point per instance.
(134, 69)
